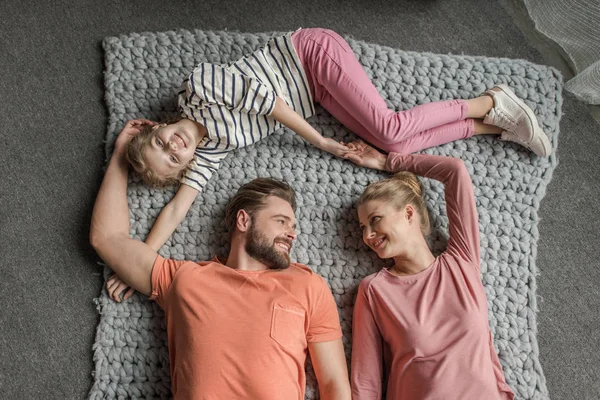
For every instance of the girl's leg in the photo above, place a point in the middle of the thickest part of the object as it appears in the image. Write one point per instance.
(340, 84)
(438, 136)
(480, 128)
(429, 138)
(479, 107)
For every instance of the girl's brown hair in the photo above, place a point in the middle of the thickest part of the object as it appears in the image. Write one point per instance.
(136, 150)
(401, 189)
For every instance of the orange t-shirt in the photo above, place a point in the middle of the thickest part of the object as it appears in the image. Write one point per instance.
(241, 334)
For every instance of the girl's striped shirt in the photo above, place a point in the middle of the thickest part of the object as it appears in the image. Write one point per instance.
(234, 102)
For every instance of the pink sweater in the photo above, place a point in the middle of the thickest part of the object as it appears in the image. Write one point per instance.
(426, 336)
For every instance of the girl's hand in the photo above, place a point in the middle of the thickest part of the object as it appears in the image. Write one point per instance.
(115, 286)
(131, 129)
(338, 149)
(366, 156)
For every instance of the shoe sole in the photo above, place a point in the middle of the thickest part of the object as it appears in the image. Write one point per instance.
(545, 144)
(524, 107)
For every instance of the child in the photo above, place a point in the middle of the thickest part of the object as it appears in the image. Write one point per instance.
(224, 107)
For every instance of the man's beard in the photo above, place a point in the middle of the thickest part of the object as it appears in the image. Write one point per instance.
(259, 248)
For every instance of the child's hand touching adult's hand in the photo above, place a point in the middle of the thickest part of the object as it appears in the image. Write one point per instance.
(338, 149)
(366, 156)
(132, 128)
(115, 286)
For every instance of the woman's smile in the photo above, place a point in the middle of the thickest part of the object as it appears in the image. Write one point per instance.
(377, 243)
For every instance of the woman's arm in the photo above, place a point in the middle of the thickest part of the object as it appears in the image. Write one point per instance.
(460, 198)
(367, 351)
(291, 119)
(171, 216)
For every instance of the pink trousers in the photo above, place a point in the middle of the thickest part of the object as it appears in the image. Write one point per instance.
(339, 83)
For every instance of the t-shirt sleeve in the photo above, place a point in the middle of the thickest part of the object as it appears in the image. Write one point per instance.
(211, 84)
(202, 167)
(163, 272)
(324, 323)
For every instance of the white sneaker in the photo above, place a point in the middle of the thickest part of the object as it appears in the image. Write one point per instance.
(519, 121)
(540, 144)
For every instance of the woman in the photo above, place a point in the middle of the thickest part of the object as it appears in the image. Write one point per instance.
(421, 326)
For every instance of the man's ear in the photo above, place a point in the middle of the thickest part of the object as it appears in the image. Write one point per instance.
(243, 221)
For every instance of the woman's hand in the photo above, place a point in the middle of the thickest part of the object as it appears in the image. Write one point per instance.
(366, 156)
(338, 149)
(131, 129)
(115, 286)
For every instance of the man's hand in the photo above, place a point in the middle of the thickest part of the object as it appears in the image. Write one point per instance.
(115, 286)
(131, 129)
(366, 156)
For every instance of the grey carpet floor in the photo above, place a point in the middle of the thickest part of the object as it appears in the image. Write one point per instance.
(52, 128)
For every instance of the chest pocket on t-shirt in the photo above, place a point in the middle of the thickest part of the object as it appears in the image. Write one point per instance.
(287, 326)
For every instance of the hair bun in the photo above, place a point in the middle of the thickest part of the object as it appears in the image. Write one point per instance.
(410, 180)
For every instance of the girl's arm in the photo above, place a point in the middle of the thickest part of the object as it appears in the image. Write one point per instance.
(171, 216)
(291, 119)
(460, 198)
(367, 350)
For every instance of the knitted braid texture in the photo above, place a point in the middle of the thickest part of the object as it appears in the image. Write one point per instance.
(143, 74)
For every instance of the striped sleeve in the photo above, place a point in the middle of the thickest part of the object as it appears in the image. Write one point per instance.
(212, 84)
(202, 167)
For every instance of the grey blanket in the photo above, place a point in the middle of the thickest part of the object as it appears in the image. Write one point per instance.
(143, 74)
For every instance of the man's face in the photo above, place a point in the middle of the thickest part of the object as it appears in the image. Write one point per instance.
(271, 234)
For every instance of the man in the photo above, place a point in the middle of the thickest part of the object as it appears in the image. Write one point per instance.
(238, 328)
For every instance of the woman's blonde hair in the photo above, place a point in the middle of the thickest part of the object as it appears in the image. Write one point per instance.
(136, 153)
(401, 189)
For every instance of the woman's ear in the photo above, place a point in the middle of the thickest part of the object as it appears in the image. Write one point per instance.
(409, 213)
(155, 127)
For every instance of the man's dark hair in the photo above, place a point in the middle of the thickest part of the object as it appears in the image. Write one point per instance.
(252, 197)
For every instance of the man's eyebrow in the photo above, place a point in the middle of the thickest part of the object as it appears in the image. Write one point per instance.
(284, 217)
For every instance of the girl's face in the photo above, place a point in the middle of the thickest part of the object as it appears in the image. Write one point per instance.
(385, 229)
(172, 147)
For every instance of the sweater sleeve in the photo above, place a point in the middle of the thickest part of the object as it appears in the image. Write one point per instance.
(367, 350)
(458, 192)
(502, 385)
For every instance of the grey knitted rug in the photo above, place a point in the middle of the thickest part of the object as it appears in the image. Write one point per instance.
(143, 73)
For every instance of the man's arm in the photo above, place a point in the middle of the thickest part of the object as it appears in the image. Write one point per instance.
(131, 260)
(329, 363)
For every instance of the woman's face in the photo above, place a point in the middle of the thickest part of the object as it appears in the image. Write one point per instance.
(172, 147)
(385, 229)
